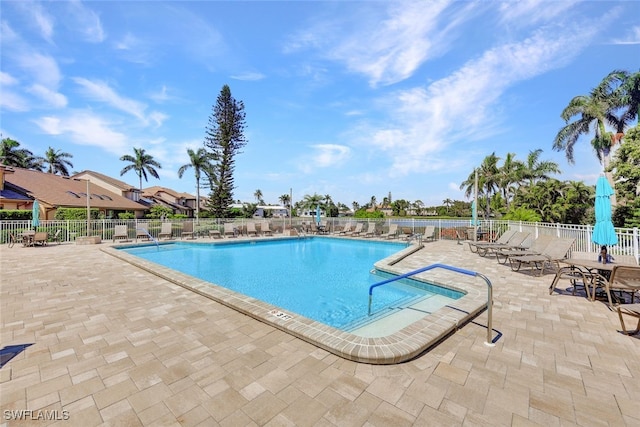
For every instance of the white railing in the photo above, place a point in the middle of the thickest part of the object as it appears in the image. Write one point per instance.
(628, 238)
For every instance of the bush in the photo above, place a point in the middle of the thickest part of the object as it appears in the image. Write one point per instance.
(15, 214)
(76, 213)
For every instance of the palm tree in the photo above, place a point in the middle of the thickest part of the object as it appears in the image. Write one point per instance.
(57, 161)
(11, 155)
(447, 202)
(597, 110)
(487, 181)
(373, 202)
(141, 163)
(536, 170)
(258, 195)
(510, 174)
(285, 199)
(200, 161)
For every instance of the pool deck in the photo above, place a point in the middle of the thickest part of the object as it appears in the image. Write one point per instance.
(112, 344)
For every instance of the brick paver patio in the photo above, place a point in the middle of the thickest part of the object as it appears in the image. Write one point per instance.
(115, 345)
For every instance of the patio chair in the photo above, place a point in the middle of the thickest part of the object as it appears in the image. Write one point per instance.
(142, 233)
(40, 238)
(392, 233)
(215, 234)
(356, 231)
(230, 230)
(502, 240)
(405, 233)
(429, 233)
(166, 231)
(57, 237)
(552, 255)
(348, 227)
(578, 276)
(266, 229)
(371, 230)
(120, 233)
(537, 247)
(187, 230)
(625, 279)
(517, 241)
(251, 229)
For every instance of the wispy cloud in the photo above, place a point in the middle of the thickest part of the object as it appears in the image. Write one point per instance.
(531, 12)
(248, 76)
(85, 128)
(53, 98)
(324, 156)
(632, 37)
(86, 21)
(102, 92)
(461, 108)
(385, 49)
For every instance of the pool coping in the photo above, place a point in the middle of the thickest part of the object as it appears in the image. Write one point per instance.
(398, 347)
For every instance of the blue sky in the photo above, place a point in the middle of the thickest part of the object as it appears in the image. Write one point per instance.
(352, 99)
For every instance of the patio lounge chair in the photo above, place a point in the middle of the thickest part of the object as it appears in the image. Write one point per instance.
(356, 231)
(429, 233)
(142, 233)
(371, 230)
(215, 234)
(251, 229)
(502, 240)
(187, 230)
(57, 237)
(346, 229)
(392, 233)
(552, 255)
(537, 247)
(230, 229)
(266, 229)
(405, 233)
(625, 279)
(517, 241)
(166, 231)
(120, 233)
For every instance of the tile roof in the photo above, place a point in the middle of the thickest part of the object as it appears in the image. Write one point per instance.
(56, 191)
(107, 179)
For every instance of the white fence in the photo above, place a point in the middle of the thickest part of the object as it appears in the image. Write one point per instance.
(628, 238)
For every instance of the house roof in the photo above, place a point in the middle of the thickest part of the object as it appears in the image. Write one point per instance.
(150, 191)
(109, 180)
(56, 191)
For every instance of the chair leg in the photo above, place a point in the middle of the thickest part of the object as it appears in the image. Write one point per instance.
(624, 329)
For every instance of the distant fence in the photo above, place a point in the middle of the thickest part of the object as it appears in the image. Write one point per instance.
(628, 238)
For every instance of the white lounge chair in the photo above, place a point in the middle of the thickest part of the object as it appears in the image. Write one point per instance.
(120, 233)
(166, 231)
(392, 233)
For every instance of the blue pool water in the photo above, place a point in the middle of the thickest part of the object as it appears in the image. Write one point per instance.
(323, 279)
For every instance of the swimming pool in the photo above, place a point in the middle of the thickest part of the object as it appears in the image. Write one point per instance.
(323, 279)
(394, 338)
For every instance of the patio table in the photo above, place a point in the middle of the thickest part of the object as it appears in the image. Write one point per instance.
(591, 267)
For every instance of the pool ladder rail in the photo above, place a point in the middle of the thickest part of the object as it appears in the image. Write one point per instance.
(490, 341)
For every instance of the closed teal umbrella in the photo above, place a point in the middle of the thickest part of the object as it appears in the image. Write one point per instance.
(474, 213)
(318, 214)
(603, 232)
(35, 214)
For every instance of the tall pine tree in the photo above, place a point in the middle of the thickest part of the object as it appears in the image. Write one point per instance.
(224, 137)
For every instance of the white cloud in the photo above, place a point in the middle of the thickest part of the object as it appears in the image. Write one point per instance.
(530, 12)
(86, 21)
(85, 128)
(460, 108)
(100, 91)
(42, 68)
(248, 76)
(52, 98)
(13, 102)
(632, 37)
(324, 156)
(7, 79)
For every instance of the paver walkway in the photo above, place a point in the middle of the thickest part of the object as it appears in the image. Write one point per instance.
(115, 345)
